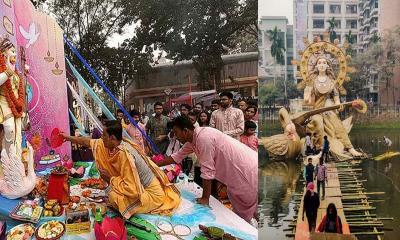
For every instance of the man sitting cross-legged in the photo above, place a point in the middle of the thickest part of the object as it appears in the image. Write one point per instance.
(136, 184)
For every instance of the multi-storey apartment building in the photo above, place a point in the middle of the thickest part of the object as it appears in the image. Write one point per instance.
(375, 17)
(270, 69)
(311, 19)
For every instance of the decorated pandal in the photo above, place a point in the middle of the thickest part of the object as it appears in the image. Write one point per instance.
(45, 193)
(323, 69)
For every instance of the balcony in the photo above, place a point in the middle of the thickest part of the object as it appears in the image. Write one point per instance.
(374, 11)
(374, 27)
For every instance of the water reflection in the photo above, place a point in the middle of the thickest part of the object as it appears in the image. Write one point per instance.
(277, 183)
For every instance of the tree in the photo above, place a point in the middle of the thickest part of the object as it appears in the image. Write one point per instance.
(269, 93)
(197, 30)
(277, 45)
(331, 29)
(379, 60)
(350, 39)
(374, 39)
(90, 25)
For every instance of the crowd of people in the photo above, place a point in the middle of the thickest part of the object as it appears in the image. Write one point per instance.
(215, 144)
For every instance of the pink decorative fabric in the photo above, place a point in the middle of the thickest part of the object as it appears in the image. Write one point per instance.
(229, 121)
(230, 162)
(250, 141)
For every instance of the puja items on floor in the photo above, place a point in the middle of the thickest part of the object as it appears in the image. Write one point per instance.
(141, 229)
(98, 211)
(214, 233)
(77, 219)
(28, 210)
(110, 229)
(77, 173)
(96, 183)
(50, 230)
(21, 232)
(49, 159)
(40, 190)
(52, 208)
(172, 171)
(59, 185)
(3, 227)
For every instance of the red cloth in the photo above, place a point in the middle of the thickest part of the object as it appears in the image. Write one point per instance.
(58, 188)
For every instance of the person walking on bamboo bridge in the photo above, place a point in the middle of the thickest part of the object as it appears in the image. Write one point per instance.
(331, 223)
(310, 206)
(309, 172)
(325, 149)
(321, 176)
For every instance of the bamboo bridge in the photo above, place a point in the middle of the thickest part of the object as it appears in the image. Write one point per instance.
(354, 205)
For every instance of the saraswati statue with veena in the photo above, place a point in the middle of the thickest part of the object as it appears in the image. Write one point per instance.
(323, 68)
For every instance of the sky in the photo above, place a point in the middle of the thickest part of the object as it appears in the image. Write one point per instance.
(276, 8)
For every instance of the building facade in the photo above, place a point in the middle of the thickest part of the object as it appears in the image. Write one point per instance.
(269, 69)
(311, 19)
(168, 80)
(376, 17)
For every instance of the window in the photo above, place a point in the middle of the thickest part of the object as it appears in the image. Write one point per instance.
(352, 9)
(351, 24)
(318, 23)
(318, 8)
(338, 24)
(335, 9)
(321, 36)
(289, 60)
(289, 42)
(354, 38)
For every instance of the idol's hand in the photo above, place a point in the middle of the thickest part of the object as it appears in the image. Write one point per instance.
(341, 108)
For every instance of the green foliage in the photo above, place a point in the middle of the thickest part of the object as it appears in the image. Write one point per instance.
(379, 59)
(268, 94)
(277, 45)
(89, 25)
(350, 39)
(331, 29)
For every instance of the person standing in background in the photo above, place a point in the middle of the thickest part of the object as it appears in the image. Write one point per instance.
(157, 128)
(228, 119)
(134, 132)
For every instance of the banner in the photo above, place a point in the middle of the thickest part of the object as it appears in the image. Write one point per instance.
(40, 37)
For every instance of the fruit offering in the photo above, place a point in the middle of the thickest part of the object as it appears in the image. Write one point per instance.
(27, 211)
(59, 170)
(50, 230)
(93, 183)
(21, 232)
(52, 208)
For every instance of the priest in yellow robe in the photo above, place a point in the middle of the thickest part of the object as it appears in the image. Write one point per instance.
(136, 184)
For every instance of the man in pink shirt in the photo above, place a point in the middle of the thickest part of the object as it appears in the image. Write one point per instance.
(222, 158)
(134, 132)
(228, 119)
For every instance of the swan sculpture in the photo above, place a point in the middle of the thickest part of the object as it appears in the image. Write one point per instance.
(16, 183)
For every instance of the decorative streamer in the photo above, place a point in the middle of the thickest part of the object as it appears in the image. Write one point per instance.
(81, 130)
(101, 83)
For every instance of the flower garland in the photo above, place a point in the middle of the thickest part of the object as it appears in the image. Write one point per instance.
(16, 105)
